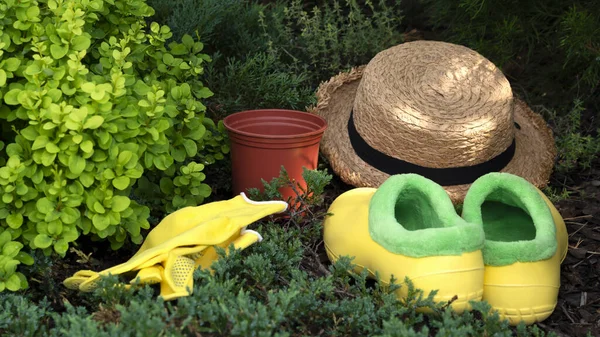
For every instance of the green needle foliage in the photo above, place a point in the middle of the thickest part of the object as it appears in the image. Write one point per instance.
(275, 55)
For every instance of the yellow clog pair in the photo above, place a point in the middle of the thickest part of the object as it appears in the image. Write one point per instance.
(184, 241)
(506, 248)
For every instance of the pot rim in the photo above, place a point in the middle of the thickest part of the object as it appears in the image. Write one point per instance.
(315, 117)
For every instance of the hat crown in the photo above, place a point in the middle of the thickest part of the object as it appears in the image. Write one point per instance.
(434, 104)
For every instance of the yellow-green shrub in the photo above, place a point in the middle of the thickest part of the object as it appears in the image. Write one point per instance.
(95, 100)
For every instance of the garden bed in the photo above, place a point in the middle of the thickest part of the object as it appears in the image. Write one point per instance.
(576, 314)
(272, 54)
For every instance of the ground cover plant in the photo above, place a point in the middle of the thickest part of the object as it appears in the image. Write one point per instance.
(250, 54)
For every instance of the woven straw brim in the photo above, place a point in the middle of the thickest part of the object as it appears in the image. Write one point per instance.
(533, 159)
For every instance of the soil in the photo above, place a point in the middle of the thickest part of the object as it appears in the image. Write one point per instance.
(578, 309)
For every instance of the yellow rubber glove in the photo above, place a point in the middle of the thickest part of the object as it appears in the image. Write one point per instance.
(184, 241)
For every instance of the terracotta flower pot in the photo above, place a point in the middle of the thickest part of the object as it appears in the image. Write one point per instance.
(264, 140)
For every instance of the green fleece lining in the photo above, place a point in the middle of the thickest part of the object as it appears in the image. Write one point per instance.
(517, 222)
(414, 216)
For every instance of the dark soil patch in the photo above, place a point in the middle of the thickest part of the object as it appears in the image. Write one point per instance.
(47, 276)
(578, 309)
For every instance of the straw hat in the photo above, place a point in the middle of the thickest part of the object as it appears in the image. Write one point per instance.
(433, 108)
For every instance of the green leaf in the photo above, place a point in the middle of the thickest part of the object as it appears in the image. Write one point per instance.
(52, 148)
(48, 126)
(86, 179)
(55, 227)
(187, 40)
(179, 49)
(67, 89)
(33, 69)
(58, 51)
(13, 283)
(71, 234)
(124, 157)
(159, 162)
(115, 218)
(98, 94)
(61, 246)
(85, 225)
(141, 88)
(87, 146)
(134, 173)
(30, 133)
(52, 216)
(24, 258)
(76, 164)
(176, 93)
(198, 132)
(98, 208)
(73, 200)
(10, 266)
(24, 283)
(45, 205)
(40, 143)
(80, 43)
(166, 185)
(121, 183)
(100, 222)
(12, 64)
(168, 59)
(10, 97)
(204, 93)
(93, 122)
(154, 133)
(15, 220)
(88, 87)
(69, 215)
(144, 103)
(2, 77)
(22, 189)
(5, 173)
(120, 203)
(108, 174)
(55, 94)
(190, 147)
(78, 115)
(4, 238)
(33, 13)
(11, 249)
(42, 241)
(48, 158)
(104, 138)
(205, 190)
(7, 198)
(154, 27)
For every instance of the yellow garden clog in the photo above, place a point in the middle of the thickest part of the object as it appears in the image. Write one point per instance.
(408, 227)
(526, 241)
(184, 241)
